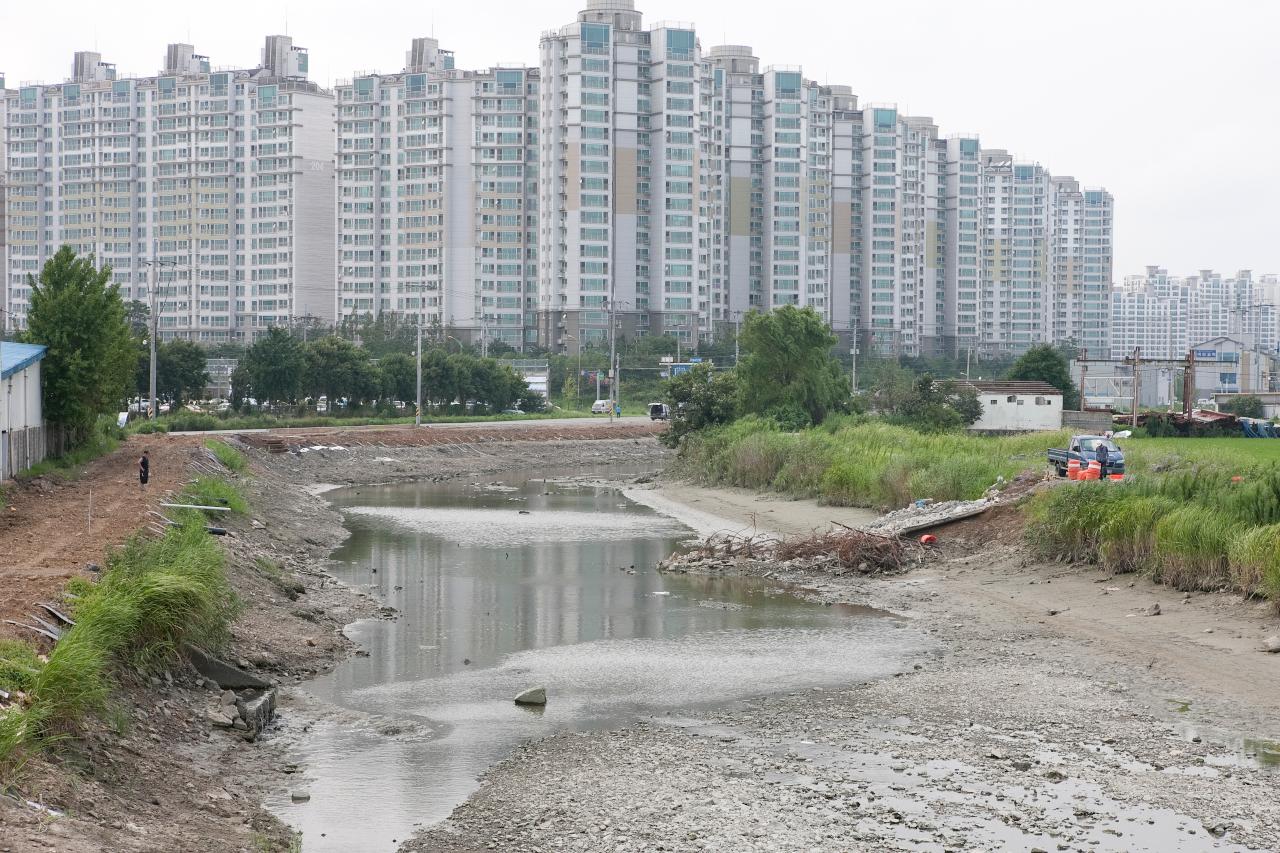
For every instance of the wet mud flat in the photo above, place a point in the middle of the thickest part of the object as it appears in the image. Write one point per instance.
(1007, 745)
(1014, 730)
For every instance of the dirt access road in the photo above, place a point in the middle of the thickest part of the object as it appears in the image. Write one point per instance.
(46, 532)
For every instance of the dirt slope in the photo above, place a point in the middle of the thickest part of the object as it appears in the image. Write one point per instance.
(46, 535)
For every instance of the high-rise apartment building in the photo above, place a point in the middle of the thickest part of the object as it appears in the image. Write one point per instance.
(438, 196)
(225, 178)
(4, 199)
(1166, 315)
(691, 186)
(631, 174)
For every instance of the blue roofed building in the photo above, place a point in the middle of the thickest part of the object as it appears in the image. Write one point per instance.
(23, 437)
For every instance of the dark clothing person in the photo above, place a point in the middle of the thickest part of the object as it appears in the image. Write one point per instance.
(1100, 453)
(144, 469)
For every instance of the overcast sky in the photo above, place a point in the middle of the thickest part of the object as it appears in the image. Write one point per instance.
(1172, 105)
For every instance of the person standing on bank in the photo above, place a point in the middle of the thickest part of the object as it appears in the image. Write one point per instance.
(144, 469)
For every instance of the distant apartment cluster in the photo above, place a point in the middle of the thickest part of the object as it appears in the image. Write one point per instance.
(1165, 316)
(629, 174)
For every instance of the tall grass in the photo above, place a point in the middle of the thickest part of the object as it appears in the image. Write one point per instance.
(233, 460)
(214, 491)
(153, 596)
(856, 462)
(1192, 525)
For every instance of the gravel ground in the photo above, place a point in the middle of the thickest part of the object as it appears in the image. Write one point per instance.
(1064, 728)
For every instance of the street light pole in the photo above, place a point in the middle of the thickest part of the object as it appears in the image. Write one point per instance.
(417, 417)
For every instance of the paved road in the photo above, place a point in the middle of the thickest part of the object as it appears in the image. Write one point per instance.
(531, 423)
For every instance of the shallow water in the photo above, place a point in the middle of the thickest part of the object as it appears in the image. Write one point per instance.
(508, 584)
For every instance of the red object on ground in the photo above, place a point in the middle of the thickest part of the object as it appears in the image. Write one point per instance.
(928, 539)
(1237, 479)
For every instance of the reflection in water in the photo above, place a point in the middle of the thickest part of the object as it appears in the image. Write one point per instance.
(502, 587)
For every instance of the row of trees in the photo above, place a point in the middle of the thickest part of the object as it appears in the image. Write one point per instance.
(98, 357)
(282, 369)
(788, 373)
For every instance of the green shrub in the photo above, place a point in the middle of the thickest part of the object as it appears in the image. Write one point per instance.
(1191, 548)
(1127, 538)
(212, 491)
(1068, 521)
(190, 422)
(231, 459)
(1253, 559)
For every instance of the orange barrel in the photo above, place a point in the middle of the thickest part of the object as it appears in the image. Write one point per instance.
(1095, 470)
(1073, 469)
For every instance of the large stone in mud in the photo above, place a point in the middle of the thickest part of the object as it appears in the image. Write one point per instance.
(532, 696)
(222, 673)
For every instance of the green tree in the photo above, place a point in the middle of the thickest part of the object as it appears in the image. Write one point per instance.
(180, 370)
(138, 315)
(936, 406)
(241, 386)
(787, 365)
(1245, 406)
(332, 368)
(1045, 364)
(399, 376)
(700, 397)
(437, 378)
(276, 366)
(77, 313)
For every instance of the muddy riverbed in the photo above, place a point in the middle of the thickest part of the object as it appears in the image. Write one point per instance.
(526, 579)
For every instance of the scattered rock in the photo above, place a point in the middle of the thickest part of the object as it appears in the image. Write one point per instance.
(1153, 610)
(532, 696)
(220, 719)
(1272, 644)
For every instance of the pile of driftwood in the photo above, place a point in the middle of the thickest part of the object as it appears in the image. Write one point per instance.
(868, 553)
(837, 551)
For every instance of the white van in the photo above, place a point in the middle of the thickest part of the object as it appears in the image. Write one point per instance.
(601, 407)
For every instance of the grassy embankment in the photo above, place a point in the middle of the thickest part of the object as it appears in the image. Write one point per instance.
(851, 461)
(1199, 513)
(152, 596)
(1196, 514)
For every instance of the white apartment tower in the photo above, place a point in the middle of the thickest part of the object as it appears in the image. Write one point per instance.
(623, 224)
(224, 177)
(437, 197)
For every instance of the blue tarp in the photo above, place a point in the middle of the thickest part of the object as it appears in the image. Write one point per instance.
(15, 357)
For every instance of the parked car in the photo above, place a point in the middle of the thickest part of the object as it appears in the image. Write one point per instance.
(659, 412)
(601, 407)
(512, 412)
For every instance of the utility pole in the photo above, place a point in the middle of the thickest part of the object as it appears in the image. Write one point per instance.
(417, 412)
(737, 333)
(853, 366)
(1137, 378)
(153, 263)
(613, 354)
(1084, 370)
